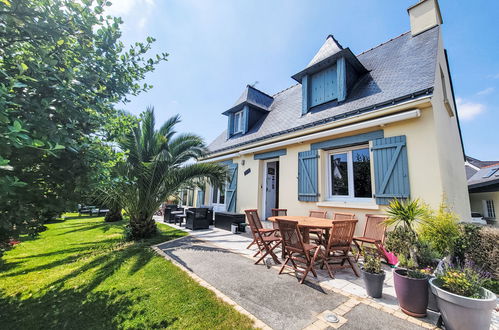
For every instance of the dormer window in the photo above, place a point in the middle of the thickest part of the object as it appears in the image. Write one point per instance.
(238, 122)
(329, 75)
(251, 106)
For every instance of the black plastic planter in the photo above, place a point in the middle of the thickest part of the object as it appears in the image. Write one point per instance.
(374, 283)
(412, 293)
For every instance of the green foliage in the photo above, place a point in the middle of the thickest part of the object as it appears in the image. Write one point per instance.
(372, 262)
(403, 240)
(406, 213)
(156, 165)
(467, 241)
(492, 285)
(465, 281)
(482, 247)
(440, 230)
(62, 70)
(80, 274)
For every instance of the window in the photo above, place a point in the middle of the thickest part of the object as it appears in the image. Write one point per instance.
(489, 210)
(349, 174)
(238, 122)
(218, 195)
(490, 172)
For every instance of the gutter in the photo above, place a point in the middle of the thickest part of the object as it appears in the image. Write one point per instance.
(382, 109)
(406, 115)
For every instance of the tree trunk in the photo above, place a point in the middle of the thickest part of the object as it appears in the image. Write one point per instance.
(113, 215)
(142, 227)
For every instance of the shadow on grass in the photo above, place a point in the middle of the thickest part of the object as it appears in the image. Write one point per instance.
(62, 304)
(77, 309)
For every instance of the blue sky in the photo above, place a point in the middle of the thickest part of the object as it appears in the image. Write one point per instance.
(216, 47)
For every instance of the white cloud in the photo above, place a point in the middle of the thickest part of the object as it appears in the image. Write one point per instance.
(468, 110)
(485, 91)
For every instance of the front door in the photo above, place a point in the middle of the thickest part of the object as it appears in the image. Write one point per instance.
(270, 188)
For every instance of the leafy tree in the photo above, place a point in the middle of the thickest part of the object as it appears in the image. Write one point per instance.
(157, 164)
(62, 70)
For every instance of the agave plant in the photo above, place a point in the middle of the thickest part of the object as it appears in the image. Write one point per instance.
(157, 164)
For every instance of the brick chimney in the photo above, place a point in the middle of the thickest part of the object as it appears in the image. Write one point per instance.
(424, 15)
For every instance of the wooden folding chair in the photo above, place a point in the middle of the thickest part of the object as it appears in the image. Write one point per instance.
(302, 256)
(265, 240)
(374, 233)
(318, 232)
(339, 246)
(276, 213)
(253, 213)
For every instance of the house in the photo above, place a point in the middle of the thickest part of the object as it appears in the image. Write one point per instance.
(483, 187)
(354, 132)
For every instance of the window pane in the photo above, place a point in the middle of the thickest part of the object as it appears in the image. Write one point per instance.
(214, 195)
(339, 174)
(222, 195)
(361, 173)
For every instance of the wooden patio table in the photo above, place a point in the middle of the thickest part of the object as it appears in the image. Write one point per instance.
(305, 223)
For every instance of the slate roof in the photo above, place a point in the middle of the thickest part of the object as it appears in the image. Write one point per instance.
(479, 179)
(254, 97)
(480, 163)
(401, 68)
(329, 48)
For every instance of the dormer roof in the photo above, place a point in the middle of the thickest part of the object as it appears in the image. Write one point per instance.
(254, 97)
(327, 55)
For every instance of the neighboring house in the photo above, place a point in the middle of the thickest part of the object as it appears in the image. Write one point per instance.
(483, 187)
(355, 132)
(473, 165)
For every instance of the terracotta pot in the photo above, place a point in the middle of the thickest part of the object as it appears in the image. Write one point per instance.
(374, 283)
(412, 293)
(463, 313)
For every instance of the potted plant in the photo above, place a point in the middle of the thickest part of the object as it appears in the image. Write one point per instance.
(440, 231)
(372, 274)
(411, 285)
(462, 299)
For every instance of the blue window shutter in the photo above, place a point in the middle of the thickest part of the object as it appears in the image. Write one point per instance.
(308, 189)
(304, 95)
(245, 119)
(232, 188)
(330, 84)
(230, 126)
(391, 173)
(342, 79)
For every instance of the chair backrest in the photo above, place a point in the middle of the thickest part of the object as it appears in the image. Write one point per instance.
(253, 220)
(375, 227)
(343, 216)
(317, 214)
(201, 213)
(279, 212)
(291, 236)
(341, 234)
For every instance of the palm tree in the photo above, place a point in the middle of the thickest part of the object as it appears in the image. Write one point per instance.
(157, 164)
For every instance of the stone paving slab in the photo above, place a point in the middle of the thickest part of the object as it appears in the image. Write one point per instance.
(279, 301)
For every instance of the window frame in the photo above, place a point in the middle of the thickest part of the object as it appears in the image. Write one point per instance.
(351, 185)
(238, 122)
(489, 209)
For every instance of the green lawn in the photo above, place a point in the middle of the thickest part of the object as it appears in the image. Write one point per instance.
(80, 274)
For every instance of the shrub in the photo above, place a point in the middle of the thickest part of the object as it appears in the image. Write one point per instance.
(440, 230)
(465, 281)
(372, 263)
(466, 241)
(486, 250)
